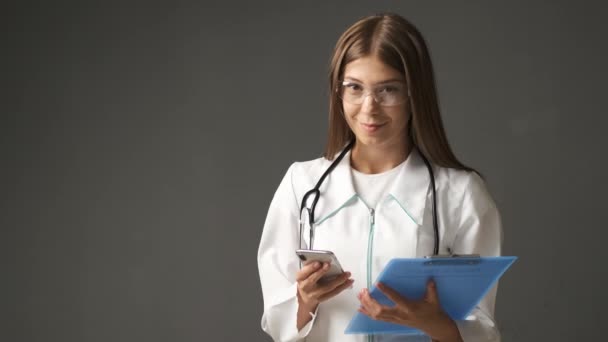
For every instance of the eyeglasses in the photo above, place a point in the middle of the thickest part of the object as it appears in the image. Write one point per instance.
(386, 95)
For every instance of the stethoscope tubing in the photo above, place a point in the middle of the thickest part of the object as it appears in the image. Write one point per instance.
(316, 193)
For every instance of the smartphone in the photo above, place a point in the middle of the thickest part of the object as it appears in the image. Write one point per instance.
(310, 255)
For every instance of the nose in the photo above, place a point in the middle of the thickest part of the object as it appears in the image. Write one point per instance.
(370, 104)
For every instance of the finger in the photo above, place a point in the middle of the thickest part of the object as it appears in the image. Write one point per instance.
(311, 283)
(392, 294)
(371, 305)
(326, 287)
(348, 283)
(337, 281)
(382, 317)
(319, 273)
(431, 292)
(365, 299)
(307, 270)
(364, 311)
(375, 310)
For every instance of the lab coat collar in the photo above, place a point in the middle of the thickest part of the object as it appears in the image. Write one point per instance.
(336, 191)
(411, 187)
(409, 190)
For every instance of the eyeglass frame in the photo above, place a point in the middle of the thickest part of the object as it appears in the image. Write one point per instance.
(367, 92)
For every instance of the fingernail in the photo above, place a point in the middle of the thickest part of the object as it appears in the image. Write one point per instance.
(317, 264)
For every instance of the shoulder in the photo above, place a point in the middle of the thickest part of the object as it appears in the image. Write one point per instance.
(464, 187)
(309, 168)
(303, 175)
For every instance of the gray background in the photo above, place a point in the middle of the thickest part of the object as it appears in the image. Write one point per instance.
(142, 144)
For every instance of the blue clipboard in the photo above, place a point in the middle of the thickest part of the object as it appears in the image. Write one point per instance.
(462, 281)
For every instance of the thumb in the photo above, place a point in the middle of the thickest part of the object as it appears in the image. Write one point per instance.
(431, 292)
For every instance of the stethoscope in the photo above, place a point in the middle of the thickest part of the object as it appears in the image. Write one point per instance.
(316, 193)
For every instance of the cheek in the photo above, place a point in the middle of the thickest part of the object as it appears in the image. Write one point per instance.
(399, 116)
(349, 113)
(349, 110)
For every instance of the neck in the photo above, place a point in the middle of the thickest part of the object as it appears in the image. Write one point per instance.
(377, 159)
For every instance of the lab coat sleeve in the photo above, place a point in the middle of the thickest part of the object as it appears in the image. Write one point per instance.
(479, 232)
(278, 264)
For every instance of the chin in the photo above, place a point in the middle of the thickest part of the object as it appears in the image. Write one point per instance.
(371, 141)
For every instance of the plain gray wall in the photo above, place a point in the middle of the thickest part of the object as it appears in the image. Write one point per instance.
(142, 144)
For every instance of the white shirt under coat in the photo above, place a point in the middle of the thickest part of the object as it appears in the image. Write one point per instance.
(469, 223)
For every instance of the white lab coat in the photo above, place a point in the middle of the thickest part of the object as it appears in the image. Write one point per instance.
(469, 223)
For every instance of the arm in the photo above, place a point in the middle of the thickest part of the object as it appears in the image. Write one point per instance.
(278, 265)
(291, 295)
(305, 313)
(479, 232)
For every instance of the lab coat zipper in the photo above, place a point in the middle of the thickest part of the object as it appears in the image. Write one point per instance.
(370, 241)
(370, 246)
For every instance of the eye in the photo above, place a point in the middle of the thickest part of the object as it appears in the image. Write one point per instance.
(389, 89)
(353, 86)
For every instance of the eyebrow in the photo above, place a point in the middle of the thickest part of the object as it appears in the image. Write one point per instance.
(392, 80)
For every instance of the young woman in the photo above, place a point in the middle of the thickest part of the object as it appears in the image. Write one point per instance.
(390, 187)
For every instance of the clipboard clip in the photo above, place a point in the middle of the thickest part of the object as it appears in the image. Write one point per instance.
(443, 256)
(453, 259)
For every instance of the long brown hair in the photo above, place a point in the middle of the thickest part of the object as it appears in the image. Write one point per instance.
(397, 43)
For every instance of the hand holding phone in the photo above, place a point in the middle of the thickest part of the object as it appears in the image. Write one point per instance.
(320, 278)
(308, 256)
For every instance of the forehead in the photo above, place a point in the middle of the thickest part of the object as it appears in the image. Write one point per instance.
(371, 70)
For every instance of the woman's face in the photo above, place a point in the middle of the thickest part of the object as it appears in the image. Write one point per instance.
(375, 125)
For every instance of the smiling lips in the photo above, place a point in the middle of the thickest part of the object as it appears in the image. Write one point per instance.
(370, 128)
